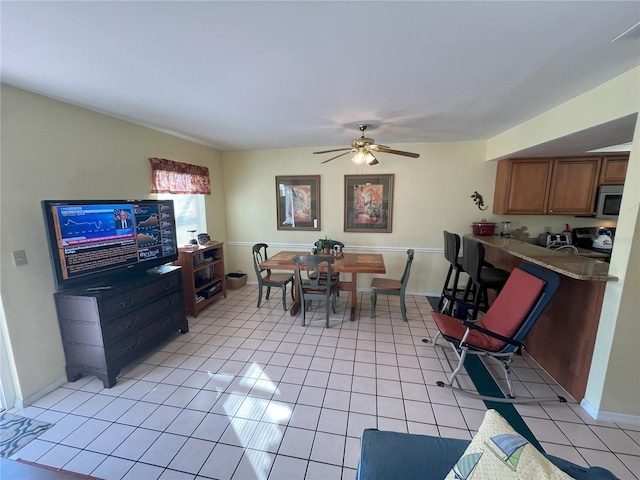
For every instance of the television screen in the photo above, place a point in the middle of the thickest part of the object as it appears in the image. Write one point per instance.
(94, 239)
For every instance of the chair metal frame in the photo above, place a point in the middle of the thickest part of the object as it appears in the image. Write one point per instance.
(279, 280)
(312, 286)
(395, 291)
(512, 346)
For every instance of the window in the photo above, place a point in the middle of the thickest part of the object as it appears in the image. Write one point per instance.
(190, 215)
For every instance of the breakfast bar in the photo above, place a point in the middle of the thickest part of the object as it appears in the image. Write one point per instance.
(563, 339)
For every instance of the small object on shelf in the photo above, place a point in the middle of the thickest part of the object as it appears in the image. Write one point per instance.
(193, 240)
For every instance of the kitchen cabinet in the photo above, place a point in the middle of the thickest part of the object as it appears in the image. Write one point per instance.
(614, 170)
(203, 275)
(546, 186)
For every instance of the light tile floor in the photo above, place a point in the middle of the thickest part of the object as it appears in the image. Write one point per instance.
(250, 393)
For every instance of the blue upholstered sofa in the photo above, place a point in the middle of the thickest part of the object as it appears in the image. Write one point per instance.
(390, 455)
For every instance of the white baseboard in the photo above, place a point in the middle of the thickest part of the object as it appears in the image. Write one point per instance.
(365, 289)
(609, 416)
(25, 402)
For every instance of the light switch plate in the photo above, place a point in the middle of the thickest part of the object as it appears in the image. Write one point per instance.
(19, 258)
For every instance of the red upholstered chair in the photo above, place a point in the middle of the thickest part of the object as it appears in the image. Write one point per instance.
(500, 333)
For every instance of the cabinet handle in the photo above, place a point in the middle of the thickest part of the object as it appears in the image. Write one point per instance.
(168, 285)
(131, 345)
(170, 321)
(550, 211)
(127, 303)
(170, 304)
(129, 324)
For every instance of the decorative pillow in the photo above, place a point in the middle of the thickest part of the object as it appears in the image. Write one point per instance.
(497, 451)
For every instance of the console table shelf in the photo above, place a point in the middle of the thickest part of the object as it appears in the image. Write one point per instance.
(203, 275)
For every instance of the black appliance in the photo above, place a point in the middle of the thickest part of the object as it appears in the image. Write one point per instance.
(583, 237)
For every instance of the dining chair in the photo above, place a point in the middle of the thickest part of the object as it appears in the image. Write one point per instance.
(335, 276)
(312, 286)
(269, 280)
(388, 286)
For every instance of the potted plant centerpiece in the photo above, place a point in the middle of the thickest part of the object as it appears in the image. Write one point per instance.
(324, 245)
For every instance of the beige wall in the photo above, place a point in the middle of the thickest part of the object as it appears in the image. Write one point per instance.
(53, 150)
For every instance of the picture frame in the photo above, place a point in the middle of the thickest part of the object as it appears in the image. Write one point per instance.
(368, 203)
(298, 202)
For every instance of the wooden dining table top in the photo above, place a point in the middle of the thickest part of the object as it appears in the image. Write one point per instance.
(348, 262)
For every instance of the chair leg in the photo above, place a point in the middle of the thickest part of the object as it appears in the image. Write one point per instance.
(374, 298)
(445, 288)
(327, 306)
(303, 308)
(259, 295)
(403, 308)
(284, 297)
(268, 292)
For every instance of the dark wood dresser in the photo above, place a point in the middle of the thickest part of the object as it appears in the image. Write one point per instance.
(105, 328)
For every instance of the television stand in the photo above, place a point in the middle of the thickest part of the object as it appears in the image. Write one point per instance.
(105, 328)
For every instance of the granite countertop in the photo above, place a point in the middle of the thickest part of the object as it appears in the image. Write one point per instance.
(578, 266)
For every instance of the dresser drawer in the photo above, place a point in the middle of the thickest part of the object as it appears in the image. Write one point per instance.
(133, 321)
(130, 300)
(136, 342)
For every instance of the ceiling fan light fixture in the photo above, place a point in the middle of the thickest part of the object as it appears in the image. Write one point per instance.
(359, 158)
(370, 159)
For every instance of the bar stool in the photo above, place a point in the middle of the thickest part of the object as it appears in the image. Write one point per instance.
(481, 278)
(451, 292)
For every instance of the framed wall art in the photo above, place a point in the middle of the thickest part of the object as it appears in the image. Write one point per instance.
(368, 203)
(298, 202)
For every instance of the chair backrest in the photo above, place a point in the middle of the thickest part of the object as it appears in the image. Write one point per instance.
(452, 248)
(473, 258)
(311, 275)
(522, 300)
(407, 269)
(259, 255)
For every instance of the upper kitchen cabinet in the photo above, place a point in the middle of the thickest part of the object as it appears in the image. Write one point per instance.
(614, 170)
(574, 182)
(522, 186)
(546, 186)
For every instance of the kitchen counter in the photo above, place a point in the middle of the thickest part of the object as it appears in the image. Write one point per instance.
(582, 266)
(563, 338)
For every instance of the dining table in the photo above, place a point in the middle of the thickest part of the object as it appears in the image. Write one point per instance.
(344, 262)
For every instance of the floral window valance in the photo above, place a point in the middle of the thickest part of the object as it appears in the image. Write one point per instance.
(168, 176)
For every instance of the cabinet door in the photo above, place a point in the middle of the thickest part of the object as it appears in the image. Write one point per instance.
(614, 170)
(522, 186)
(573, 186)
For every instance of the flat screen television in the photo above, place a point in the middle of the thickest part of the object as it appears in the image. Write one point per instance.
(92, 241)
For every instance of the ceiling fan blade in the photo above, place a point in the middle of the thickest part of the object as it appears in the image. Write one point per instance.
(334, 150)
(337, 156)
(396, 152)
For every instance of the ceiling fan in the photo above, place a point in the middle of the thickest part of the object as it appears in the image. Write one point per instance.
(363, 148)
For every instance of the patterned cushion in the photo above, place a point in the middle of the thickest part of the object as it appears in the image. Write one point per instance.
(497, 451)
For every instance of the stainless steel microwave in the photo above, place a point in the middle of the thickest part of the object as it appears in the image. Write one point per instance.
(609, 199)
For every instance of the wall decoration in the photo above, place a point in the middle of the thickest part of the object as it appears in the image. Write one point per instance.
(368, 203)
(477, 199)
(298, 202)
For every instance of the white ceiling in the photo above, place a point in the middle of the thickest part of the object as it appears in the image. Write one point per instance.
(255, 75)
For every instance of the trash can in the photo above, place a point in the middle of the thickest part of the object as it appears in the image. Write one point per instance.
(236, 280)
